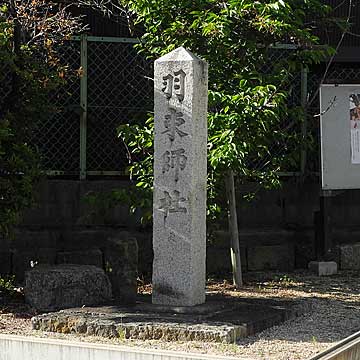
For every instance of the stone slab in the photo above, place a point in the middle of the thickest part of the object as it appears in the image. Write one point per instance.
(201, 309)
(49, 288)
(323, 268)
(180, 169)
(350, 257)
(223, 321)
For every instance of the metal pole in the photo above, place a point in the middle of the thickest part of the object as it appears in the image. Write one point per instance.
(304, 92)
(326, 223)
(83, 105)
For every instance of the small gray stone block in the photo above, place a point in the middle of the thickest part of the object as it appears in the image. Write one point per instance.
(350, 257)
(81, 257)
(50, 288)
(323, 268)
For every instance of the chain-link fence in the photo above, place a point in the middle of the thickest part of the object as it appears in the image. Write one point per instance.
(108, 84)
(120, 90)
(114, 86)
(57, 138)
(286, 150)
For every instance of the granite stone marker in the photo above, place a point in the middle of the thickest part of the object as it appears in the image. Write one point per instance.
(180, 170)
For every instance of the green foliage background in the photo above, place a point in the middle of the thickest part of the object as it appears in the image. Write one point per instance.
(247, 106)
(29, 59)
(18, 160)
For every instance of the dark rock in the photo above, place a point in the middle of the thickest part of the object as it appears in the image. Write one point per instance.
(121, 260)
(350, 257)
(49, 288)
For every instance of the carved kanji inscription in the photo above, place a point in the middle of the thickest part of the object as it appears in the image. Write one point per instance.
(174, 159)
(168, 85)
(172, 123)
(174, 84)
(171, 204)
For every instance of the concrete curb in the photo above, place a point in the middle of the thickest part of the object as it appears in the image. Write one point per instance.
(347, 349)
(14, 347)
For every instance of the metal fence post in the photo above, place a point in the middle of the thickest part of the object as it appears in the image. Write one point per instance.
(304, 94)
(83, 105)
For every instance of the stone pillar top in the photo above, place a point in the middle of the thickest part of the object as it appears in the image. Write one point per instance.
(179, 54)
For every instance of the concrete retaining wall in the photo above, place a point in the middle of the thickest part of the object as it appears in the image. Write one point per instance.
(16, 347)
(276, 228)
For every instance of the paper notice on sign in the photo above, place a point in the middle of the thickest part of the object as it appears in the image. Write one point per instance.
(355, 127)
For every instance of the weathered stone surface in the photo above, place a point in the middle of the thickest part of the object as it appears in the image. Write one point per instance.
(179, 231)
(49, 288)
(274, 257)
(216, 322)
(121, 261)
(323, 268)
(81, 257)
(350, 257)
(149, 329)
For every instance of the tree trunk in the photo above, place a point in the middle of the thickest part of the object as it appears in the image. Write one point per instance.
(233, 230)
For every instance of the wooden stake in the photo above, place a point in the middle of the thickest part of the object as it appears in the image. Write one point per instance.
(233, 230)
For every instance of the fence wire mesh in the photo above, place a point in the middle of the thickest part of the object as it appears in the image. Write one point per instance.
(286, 146)
(120, 90)
(58, 137)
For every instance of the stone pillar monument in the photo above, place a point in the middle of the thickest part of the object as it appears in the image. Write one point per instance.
(180, 170)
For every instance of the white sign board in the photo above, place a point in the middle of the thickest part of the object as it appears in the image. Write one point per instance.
(340, 136)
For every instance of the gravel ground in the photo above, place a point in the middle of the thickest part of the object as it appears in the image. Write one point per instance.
(335, 315)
